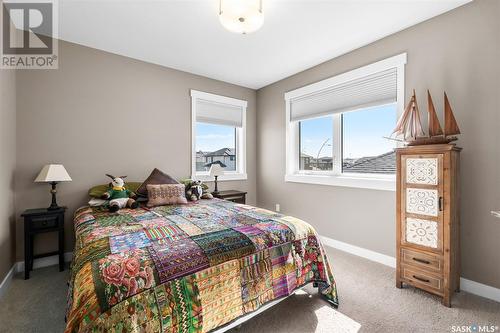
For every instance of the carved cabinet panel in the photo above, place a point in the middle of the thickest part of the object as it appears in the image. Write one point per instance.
(422, 201)
(422, 171)
(422, 232)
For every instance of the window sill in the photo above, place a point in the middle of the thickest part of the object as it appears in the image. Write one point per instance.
(225, 177)
(387, 183)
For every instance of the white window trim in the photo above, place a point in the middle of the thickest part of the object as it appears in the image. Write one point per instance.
(241, 152)
(336, 177)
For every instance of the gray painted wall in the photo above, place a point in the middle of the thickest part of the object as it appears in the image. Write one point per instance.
(102, 113)
(457, 52)
(7, 167)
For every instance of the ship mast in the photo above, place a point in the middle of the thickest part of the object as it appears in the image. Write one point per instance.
(434, 126)
(450, 123)
(409, 124)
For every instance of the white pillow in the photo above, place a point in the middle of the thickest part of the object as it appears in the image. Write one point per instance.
(96, 202)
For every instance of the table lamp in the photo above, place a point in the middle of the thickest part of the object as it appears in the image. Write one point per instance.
(53, 174)
(216, 170)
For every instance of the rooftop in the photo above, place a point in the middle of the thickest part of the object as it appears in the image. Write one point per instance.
(381, 164)
(222, 152)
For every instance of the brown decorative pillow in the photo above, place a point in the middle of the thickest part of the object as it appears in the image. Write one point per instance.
(155, 178)
(166, 194)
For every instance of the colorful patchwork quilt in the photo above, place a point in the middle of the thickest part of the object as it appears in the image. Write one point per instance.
(187, 268)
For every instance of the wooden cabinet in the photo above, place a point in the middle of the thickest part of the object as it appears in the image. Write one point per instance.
(37, 221)
(428, 221)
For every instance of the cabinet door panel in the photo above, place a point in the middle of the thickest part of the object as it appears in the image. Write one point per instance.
(422, 201)
(422, 232)
(422, 170)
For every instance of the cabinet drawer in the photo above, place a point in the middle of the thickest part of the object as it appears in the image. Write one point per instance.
(43, 222)
(422, 279)
(421, 260)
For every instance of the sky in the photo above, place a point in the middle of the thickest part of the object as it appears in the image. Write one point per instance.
(213, 137)
(363, 134)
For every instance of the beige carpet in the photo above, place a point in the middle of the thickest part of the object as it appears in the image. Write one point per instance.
(369, 302)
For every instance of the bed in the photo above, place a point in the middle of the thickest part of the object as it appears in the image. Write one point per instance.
(197, 267)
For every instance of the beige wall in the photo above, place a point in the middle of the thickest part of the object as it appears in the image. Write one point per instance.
(102, 113)
(74, 115)
(457, 52)
(7, 167)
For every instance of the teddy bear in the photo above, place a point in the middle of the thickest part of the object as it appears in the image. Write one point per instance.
(118, 196)
(196, 190)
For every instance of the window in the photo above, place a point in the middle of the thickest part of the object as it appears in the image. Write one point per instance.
(215, 144)
(364, 148)
(218, 135)
(336, 127)
(316, 142)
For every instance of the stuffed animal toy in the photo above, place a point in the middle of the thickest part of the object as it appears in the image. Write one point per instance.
(196, 190)
(118, 195)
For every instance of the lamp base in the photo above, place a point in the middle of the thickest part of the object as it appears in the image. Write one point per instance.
(53, 191)
(53, 207)
(216, 190)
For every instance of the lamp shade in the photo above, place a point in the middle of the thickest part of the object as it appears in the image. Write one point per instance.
(216, 170)
(53, 173)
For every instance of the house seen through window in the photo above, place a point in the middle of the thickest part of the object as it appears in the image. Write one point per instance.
(215, 144)
(316, 144)
(363, 148)
(218, 136)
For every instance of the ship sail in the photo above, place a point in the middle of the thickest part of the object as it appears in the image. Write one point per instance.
(434, 126)
(450, 123)
(409, 125)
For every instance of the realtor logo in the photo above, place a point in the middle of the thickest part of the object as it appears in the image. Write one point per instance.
(27, 31)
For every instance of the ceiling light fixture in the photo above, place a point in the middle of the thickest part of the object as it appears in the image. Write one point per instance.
(241, 16)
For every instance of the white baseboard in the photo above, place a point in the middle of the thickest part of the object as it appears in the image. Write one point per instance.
(44, 262)
(6, 281)
(469, 286)
(360, 252)
(480, 289)
(38, 263)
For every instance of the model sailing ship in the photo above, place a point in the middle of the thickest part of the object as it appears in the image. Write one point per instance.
(409, 126)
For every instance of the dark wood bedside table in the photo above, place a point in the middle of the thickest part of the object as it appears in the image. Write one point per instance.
(38, 221)
(231, 195)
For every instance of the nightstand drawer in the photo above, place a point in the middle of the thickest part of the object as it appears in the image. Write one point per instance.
(44, 222)
(231, 195)
(236, 199)
(421, 260)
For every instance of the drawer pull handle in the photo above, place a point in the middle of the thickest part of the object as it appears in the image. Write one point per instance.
(421, 279)
(440, 204)
(422, 261)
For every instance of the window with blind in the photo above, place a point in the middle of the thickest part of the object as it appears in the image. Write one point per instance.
(218, 135)
(336, 128)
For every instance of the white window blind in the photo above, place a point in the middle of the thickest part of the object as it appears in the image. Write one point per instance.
(219, 113)
(371, 90)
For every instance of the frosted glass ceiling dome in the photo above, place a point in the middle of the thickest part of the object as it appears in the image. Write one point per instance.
(241, 16)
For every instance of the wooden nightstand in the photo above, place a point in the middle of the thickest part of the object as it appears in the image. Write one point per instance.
(38, 221)
(234, 196)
